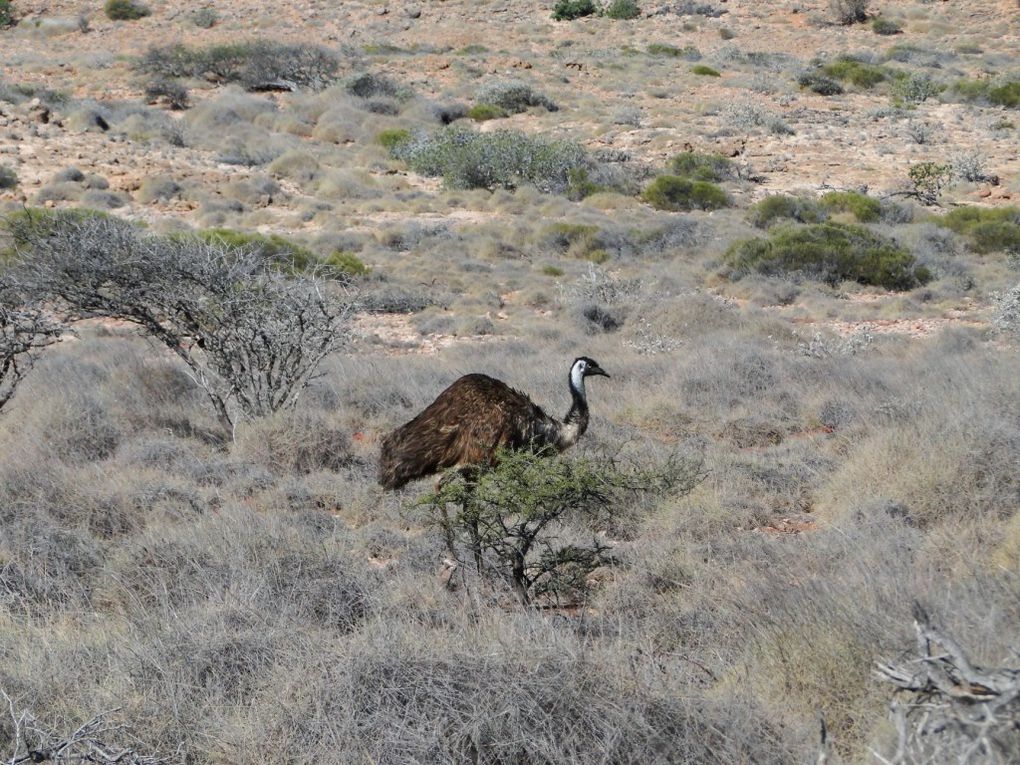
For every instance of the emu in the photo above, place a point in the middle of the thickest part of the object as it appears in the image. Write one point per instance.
(474, 418)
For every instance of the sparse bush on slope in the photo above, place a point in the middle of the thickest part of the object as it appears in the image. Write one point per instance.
(255, 65)
(830, 252)
(252, 336)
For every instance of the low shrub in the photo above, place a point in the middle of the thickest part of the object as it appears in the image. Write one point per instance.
(255, 64)
(347, 263)
(849, 11)
(688, 52)
(928, 180)
(987, 229)
(782, 207)
(276, 248)
(622, 10)
(485, 112)
(705, 71)
(820, 84)
(8, 177)
(864, 208)
(915, 89)
(674, 193)
(568, 10)
(6, 14)
(512, 97)
(830, 252)
(370, 85)
(575, 240)
(392, 137)
(505, 159)
(882, 26)
(702, 167)
(205, 18)
(857, 73)
(1007, 95)
(174, 93)
(125, 10)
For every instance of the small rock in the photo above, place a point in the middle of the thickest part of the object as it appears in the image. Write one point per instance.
(413, 12)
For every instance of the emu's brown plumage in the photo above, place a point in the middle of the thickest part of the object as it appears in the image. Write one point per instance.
(474, 418)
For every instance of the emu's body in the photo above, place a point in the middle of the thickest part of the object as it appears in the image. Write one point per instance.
(473, 419)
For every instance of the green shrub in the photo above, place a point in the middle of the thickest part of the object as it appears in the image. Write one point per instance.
(674, 193)
(125, 10)
(567, 10)
(783, 207)
(6, 14)
(553, 271)
(370, 85)
(347, 263)
(391, 137)
(255, 65)
(882, 26)
(849, 11)
(205, 18)
(467, 159)
(972, 90)
(275, 247)
(513, 97)
(820, 84)
(702, 167)
(988, 229)
(1007, 95)
(575, 240)
(856, 72)
(830, 252)
(484, 112)
(8, 177)
(622, 10)
(928, 180)
(915, 89)
(580, 185)
(864, 208)
(688, 52)
(705, 71)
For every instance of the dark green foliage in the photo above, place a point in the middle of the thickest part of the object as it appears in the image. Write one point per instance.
(567, 10)
(255, 65)
(705, 71)
(174, 92)
(580, 184)
(830, 252)
(622, 10)
(674, 193)
(205, 18)
(702, 167)
(987, 229)
(820, 84)
(513, 97)
(485, 112)
(6, 14)
(781, 207)
(392, 137)
(1007, 95)
(864, 208)
(688, 52)
(8, 178)
(125, 10)
(466, 159)
(882, 26)
(512, 519)
(856, 72)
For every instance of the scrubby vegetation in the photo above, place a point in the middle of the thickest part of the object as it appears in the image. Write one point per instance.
(988, 230)
(125, 10)
(255, 64)
(500, 159)
(676, 193)
(858, 73)
(567, 10)
(831, 252)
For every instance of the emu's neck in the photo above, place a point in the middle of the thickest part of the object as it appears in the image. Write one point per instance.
(576, 421)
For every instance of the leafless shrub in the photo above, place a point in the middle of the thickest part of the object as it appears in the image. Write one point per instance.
(251, 335)
(24, 331)
(956, 711)
(33, 741)
(971, 166)
(600, 285)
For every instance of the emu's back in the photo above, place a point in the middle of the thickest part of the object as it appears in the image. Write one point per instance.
(466, 424)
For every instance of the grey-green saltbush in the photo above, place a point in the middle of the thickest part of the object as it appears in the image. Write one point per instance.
(501, 159)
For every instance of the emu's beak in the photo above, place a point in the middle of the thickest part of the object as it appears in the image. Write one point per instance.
(597, 371)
